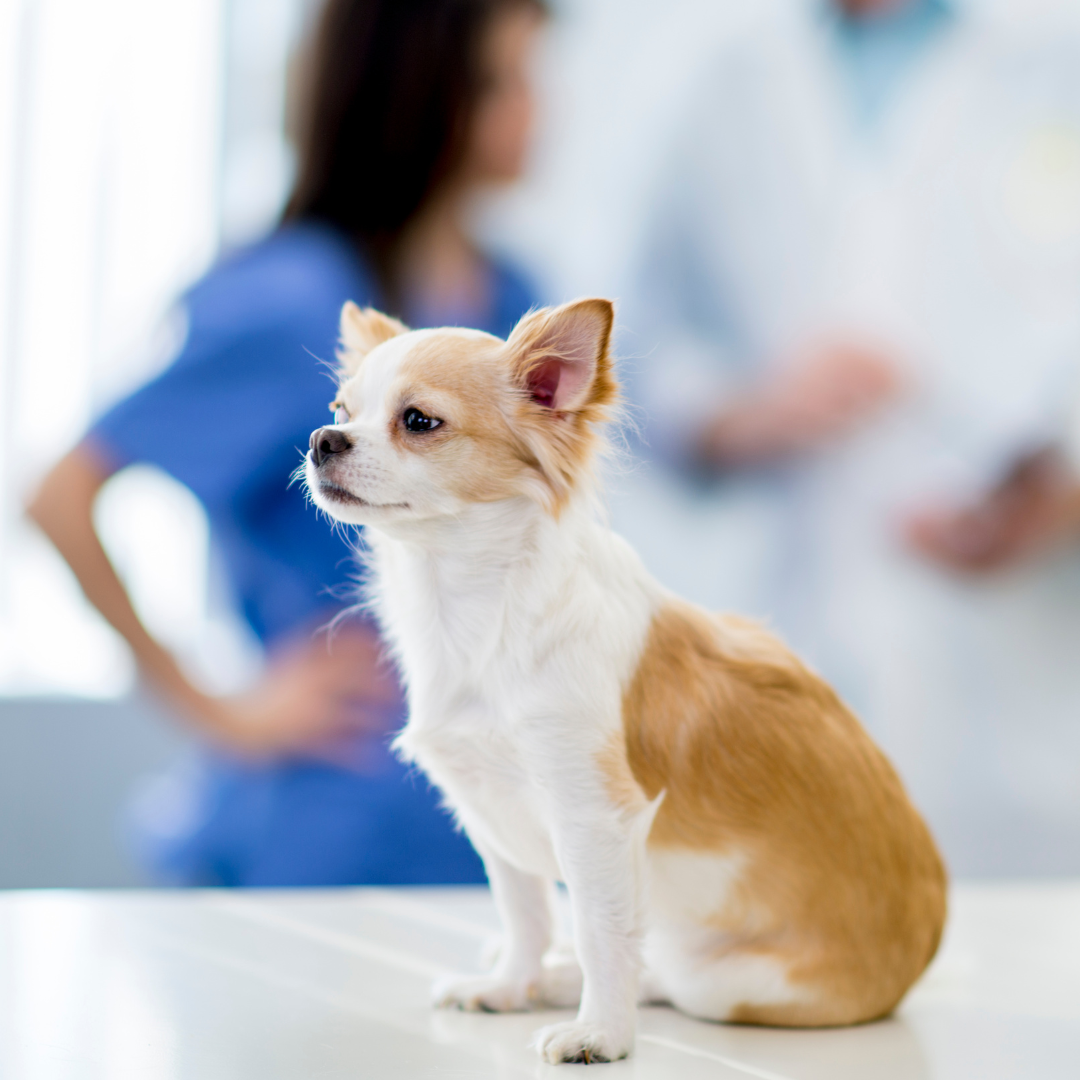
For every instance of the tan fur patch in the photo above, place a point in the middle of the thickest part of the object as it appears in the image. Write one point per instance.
(361, 330)
(495, 441)
(844, 884)
(467, 384)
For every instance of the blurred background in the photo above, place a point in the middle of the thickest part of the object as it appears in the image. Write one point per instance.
(141, 141)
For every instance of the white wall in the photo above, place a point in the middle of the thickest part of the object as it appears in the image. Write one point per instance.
(134, 137)
(109, 134)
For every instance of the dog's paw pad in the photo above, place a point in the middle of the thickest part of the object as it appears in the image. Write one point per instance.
(580, 1043)
(483, 993)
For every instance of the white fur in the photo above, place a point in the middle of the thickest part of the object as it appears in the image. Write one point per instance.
(517, 633)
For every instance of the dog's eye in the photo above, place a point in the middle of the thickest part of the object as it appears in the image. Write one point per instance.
(341, 416)
(415, 420)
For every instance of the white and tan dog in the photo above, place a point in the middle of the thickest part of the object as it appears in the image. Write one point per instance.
(718, 816)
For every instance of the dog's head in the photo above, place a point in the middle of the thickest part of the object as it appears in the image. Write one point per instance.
(429, 421)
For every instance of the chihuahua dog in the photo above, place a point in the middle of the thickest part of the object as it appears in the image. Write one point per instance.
(731, 840)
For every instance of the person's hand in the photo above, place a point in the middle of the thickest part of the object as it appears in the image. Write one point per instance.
(1036, 509)
(310, 694)
(816, 401)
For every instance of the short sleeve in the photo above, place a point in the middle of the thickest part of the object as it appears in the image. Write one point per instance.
(217, 412)
(248, 386)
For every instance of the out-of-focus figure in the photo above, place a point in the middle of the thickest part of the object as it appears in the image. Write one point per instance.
(409, 108)
(859, 339)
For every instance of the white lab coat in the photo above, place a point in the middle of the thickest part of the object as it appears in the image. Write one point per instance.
(950, 235)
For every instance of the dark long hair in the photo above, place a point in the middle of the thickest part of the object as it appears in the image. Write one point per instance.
(386, 95)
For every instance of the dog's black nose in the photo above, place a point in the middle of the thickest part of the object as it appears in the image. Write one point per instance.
(326, 441)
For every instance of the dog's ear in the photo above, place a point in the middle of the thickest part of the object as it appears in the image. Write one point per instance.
(561, 356)
(560, 361)
(361, 330)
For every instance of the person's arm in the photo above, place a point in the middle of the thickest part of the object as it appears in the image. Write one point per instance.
(1035, 510)
(814, 401)
(713, 403)
(304, 697)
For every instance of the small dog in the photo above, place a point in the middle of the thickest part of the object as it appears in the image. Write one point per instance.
(731, 840)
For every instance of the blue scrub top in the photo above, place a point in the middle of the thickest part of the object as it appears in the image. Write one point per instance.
(230, 419)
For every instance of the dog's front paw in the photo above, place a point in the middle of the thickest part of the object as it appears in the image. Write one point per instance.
(485, 993)
(582, 1042)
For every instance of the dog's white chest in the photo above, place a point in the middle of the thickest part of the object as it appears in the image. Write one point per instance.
(514, 662)
(469, 753)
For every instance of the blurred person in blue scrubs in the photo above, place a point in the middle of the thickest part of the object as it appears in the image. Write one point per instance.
(858, 331)
(409, 109)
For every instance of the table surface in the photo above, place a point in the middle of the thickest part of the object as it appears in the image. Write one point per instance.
(324, 984)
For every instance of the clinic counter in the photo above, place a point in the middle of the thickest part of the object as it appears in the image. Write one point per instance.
(326, 984)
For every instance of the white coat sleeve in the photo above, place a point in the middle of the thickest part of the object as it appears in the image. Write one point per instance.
(679, 348)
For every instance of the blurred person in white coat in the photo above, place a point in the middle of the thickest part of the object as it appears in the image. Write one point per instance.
(857, 338)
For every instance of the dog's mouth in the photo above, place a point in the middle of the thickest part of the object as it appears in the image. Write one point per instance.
(338, 494)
